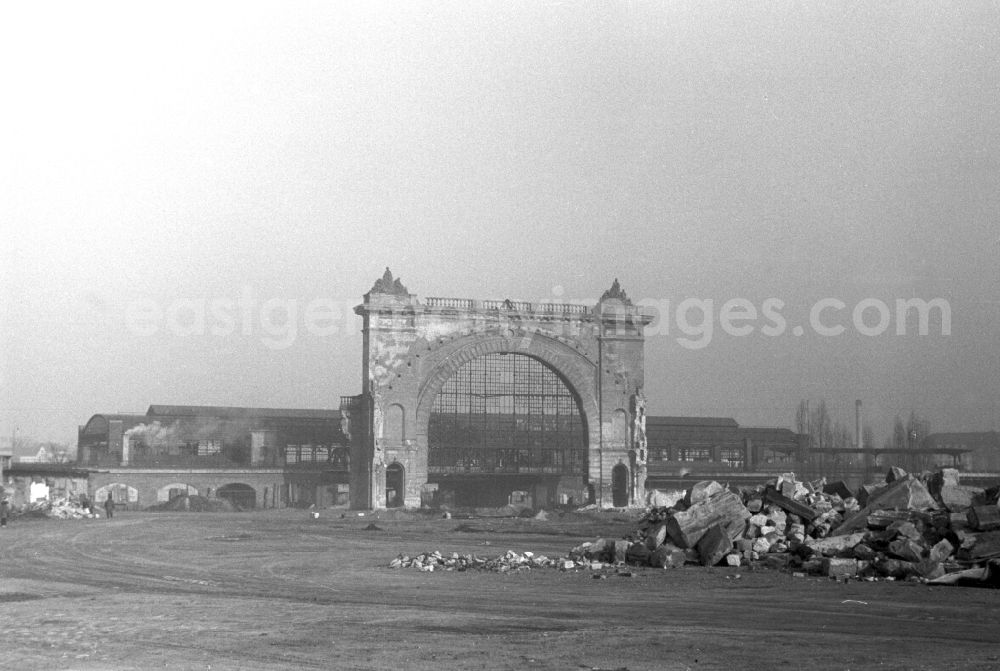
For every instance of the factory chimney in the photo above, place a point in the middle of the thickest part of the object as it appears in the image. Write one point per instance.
(858, 434)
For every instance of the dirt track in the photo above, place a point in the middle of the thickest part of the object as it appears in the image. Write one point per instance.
(277, 589)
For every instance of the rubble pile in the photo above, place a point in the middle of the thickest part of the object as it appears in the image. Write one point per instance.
(61, 509)
(926, 528)
(509, 561)
(908, 527)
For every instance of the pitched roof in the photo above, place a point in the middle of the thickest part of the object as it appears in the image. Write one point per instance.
(723, 422)
(767, 431)
(98, 423)
(156, 411)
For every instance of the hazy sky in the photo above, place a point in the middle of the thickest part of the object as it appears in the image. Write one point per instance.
(248, 162)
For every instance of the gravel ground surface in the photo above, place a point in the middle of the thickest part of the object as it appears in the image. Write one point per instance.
(280, 590)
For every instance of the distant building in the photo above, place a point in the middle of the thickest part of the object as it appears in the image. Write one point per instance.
(44, 455)
(682, 449)
(982, 449)
(256, 457)
(28, 482)
(6, 456)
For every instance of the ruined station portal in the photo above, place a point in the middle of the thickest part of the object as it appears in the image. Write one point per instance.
(473, 402)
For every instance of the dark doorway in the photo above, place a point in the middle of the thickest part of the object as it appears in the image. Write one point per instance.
(244, 497)
(394, 481)
(619, 486)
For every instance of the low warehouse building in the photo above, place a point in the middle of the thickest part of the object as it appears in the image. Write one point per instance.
(254, 457)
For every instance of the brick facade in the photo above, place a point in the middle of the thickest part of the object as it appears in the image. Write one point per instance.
(151, 485)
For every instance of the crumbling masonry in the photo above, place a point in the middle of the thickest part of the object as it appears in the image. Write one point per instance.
(479, 401)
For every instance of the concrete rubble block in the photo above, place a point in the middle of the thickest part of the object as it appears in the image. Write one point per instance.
(638, 554)
(788, 489)
(726, 508)
(733, 559)
(701, 491)
(907, 494)
(941, 551)
(840, 567)
(621, 551)
(946, 477)
(878, 521)
(783, 478)
(761, 545)
(755, 504)
(795, 528)
(868, 492)
(929, 569)
(895, 568)
(657, 498)
(863, 551)
(910, 494)
(905, 529)
(834, 546)
(596, 549)
(956, 497)
(985, 576)
(656, 535)
(829, 517)
(984, 518)
(789, 505)
(778, 517)
(839, 488)
(758, 520)
(895, 473)
(714, 544)
(822, 506)
(775, 561)
(985, 545)
(906, 549)
(667, 556)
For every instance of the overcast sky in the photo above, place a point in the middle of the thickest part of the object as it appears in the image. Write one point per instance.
(280, 155)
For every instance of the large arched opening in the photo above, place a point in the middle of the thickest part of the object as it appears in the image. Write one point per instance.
(505, 422)
(242, 496)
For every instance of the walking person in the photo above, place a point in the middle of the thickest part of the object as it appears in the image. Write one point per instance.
(4, 511)
(109, 506)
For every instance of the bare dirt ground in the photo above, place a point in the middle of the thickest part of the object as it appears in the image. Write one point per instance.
(279, 590)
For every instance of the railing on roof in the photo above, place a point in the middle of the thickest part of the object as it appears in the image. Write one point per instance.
(507, 305)
(350, 402)
(457, 303)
